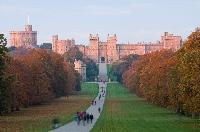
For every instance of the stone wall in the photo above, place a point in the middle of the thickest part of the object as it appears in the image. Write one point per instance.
(109, 51)
(61, 46)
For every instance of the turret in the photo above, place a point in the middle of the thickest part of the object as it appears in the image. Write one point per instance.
(54, 42)
(170, 41)
(112, 38)
(112, 48)
(28, 28)
(94, 47)
(94, 38)
(54, 38)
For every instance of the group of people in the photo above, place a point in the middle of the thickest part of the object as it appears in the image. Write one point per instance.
(103, 92)
(94, 102)
(84, 117)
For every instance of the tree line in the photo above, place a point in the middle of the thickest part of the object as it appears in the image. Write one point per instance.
(168, 79)
(33, 76)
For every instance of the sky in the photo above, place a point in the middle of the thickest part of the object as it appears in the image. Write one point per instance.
(132, 20)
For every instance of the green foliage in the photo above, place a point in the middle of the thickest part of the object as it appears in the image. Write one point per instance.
(72, 54)
(91, 67)
(5, 79)
(78, 81)
(55, 121)
(118, 68)
(46, 46)
(110, 73)
(92, 70)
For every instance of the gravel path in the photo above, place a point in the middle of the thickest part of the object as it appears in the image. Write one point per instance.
(72, 126)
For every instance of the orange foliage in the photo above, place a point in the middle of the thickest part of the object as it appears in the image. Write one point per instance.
(39, 76)
(169, 79)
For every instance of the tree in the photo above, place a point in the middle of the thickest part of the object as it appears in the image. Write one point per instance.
(72, 54)
(149, 77)
(5, 79)
(36, 82)
(118, 68)
(92, 70)
(189, 71)
(70, 79)
(47, 46)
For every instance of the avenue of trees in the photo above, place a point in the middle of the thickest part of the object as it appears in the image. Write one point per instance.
(32, 76)
(168, 79)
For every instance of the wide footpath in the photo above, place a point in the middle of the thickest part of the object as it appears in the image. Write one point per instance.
(72, 126)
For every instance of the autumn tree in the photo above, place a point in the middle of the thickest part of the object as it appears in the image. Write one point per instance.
(151, 76)
(189, 72)
(33, 76)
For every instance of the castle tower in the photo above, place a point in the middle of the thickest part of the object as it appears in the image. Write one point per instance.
(28, 28)
(54, 42)
(93, 51)
(112, 48)
(170, 41)
(27, 38)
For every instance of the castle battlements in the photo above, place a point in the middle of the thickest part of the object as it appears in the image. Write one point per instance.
(26, 38)
(61, 46)
(100, 51)
(110, 51)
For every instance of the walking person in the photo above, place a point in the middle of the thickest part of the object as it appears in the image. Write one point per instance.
(91, 117)
(103, 95)
(99, 96)
(99, 109)
(84, 118)
(81, 116)
(88, 117)
(78, 118)
(95, 102)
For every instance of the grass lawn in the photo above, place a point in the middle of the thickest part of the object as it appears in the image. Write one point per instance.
(38, 118)
(110, 74)
(125, 112)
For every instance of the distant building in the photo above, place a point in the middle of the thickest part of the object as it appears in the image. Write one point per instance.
(81, 68)
(47, 46)
(109, 51)
(61, 46)
(27, 38)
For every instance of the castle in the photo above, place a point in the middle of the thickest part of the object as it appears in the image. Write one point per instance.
(108, 51)
(61, 46)
(111, 51)
(27, 38)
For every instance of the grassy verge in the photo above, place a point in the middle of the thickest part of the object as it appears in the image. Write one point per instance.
(110, 74)
(38, 118)
(125, 112)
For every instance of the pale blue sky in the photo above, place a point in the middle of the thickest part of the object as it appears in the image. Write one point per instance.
(132, 20)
